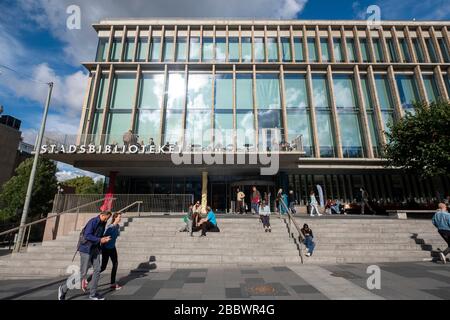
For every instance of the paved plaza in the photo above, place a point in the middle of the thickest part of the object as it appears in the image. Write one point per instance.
(422, 280)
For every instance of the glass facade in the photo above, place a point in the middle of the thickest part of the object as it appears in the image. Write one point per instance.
(179, 108)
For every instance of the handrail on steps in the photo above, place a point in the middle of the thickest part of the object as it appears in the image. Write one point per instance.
(291, 220)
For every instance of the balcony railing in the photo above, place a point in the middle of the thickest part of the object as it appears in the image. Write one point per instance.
(268, 142)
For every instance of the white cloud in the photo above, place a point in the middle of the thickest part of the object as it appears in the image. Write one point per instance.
(66, 172)
(81, 44)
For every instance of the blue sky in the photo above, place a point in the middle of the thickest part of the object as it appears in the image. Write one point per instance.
(35, 41)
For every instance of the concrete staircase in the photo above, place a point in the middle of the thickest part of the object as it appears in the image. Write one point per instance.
(148, 243)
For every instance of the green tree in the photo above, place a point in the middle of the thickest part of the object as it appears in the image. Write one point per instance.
(12, 197)
(420, 142)
(84, 185)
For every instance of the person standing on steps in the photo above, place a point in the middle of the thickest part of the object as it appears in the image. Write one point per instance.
(309, 240)
(255, 200)
(292, 202)
(109, 250)
(240, 197)
(313, 204)
(89, 246)
(441, 220)
(365, 201)
(264, 213)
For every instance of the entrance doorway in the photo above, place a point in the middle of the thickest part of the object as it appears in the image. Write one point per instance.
(265, 188)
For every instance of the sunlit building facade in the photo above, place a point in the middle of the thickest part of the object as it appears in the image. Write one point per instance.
(335, 84)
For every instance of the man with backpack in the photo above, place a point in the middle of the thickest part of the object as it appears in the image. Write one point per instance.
(89, 246)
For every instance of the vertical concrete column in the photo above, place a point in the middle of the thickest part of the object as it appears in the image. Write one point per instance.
(107, 104)
(436, 45)
(440, 83)
(310, 93)
(162, 107)
(280, 46)
(227, 37)
(331, 45)
(124, 44)
(363, 115)
(136, 98)
(318, 44)
(85, 107)
(88, 113)
(395, 95)
(291, 32)
(334, 113)
(266, 44)
(446, 37)
(370, 46)
(175, 39)
(149, 44)
(283, 105)
(204, 190)
(162, 44)
(423, 45)
(420, 84)
(305, 45)
(213, 89)
(358, 56)
(136, 42)
(387, 57)
(411, 49)
(376, 106)
(234, 109)
(344, 44)
(397, 48)
(110, 44)
(183, 127)
(255, 108)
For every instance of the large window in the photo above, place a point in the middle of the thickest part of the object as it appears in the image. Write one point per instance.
(194, 49)
(221, 49)
(298, 113)
(259, 50)
(223, 111)
(325, 50)
(444, 50)
(155, 50)
(102, 50)
(102, 91)
(371, 118)
(298, 47)
(181, 49)
(168, 53)
(246, 49)
(173, 127)
(378, 50)
(407, 89)
(385, 99)
(418, 50)
(347, 107)
(431, 50)
(351, 49)
(286, 48)
(405, 50)
(119, 122)
(268, 91)
(272, 49)
(223, 93)
(208, 49)
(142, 49)
(321, 102)
(431, 87)
(176, 88)
(151, 91)
(391, 50)
(364, 49)
(129, 52)
(337, 47)
(198, 128)
(245, 123)
(312, 50)
(116, 50)
(123, 91)
(199, 91)
(233, 49)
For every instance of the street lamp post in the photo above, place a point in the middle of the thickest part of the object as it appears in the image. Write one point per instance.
(26, 206)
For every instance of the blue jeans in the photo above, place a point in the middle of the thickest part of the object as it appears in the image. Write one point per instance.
(255, 207)
(309, 243)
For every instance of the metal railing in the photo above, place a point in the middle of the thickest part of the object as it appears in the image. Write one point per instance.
(27, 227)
(164, 203)
(299, 238)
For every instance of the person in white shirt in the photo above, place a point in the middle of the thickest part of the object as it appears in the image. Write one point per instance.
(264, 213)
(314, 205)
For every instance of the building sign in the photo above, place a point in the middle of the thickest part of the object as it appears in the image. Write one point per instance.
(108, 149)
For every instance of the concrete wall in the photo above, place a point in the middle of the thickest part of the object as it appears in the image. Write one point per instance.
(9, 142)
(65, 224)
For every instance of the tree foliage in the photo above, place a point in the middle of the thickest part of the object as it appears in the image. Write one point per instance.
(12, 197)
(420, 142)
(84, 185)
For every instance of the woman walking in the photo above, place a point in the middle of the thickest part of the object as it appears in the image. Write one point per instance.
(313, 204)
(109, 250)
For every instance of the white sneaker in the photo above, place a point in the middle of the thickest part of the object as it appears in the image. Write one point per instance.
(443, 258)
(308, 254)
(319, 215)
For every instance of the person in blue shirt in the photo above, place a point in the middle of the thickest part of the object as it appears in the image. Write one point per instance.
(91, 239)
(209, 223)
(109, 250)
(441, 220)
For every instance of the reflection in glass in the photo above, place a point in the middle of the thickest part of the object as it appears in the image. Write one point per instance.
(286, 47)
(351, 49)
(194, 50)
(102, 49)
(129, 52)
(364, 49)
(325, 133)
(418, 50)
(208, 49)
(123, 91)
(246, 49)
(444, 50)
(431, 50)
(181, 49)
(407, 89)
(176, 91)
(391, 50)
(321, 97)
(221, 49)
(295, 91)
(223, 93)
(233, 49)
(155, 52)
(151, 91)
(272, 49)
(199, 91)
(198, 128)
(337, 46)
(172, 127)
(168, 49)
(142, 49)
(378, 50)
(259, 50)
(268, 91)
(299, 124)
(298, 47)
(324, 49)
(118, 124)
(116, 49)
(431, 88)
(244, 91)
(405, 50)
(245, 129)
(147, 126)
(312, 50)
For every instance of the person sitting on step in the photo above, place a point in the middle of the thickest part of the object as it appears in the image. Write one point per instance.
(309, 240)
(209, 223)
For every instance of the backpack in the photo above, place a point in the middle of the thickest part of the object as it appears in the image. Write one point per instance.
(82, 239)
